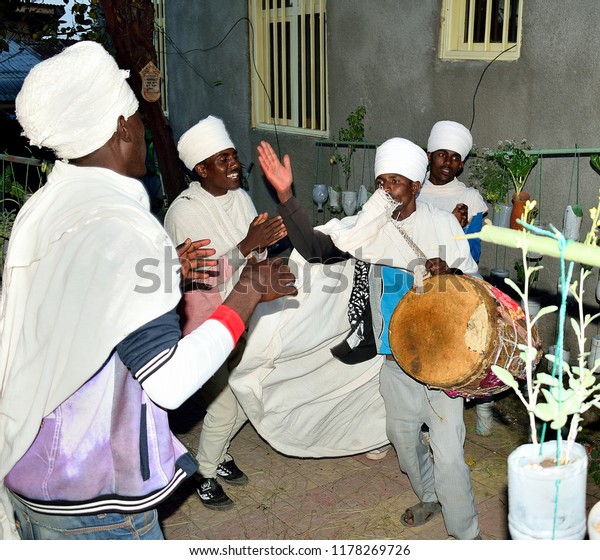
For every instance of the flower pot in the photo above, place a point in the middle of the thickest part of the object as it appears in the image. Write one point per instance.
(334, 200)
(501, 215)
(566, 355)
(533, 306)
(518, 208)
(363, 196)
(594, 351)
(571, 224)
(547, 502)
(593, 523)
(349, 201)
(320, 195)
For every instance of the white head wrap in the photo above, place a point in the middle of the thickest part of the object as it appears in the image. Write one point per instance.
(71, 102)
(401, 156)
(450, 135)
(205, 139)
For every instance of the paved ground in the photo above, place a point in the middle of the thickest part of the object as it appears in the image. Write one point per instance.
(346, 498)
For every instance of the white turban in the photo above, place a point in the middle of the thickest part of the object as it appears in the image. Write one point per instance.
(401, 156)
(205, 139)
(450, 135)
(71, 102)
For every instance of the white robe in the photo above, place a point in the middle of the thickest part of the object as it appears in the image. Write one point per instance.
(449, 195)
(87, 264)
(299, 398)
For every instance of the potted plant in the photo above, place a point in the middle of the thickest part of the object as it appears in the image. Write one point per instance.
(547, 479)
(355, 132)
(493, 180)
(519, 164)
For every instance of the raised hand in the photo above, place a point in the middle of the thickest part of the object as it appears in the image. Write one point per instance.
(277, 173)
(194, 262)
(262, 233)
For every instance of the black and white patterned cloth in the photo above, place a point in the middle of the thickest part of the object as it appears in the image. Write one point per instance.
(359, 345)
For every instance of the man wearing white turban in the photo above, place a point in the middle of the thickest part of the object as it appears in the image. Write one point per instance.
(448, 146)
(396, 232)
(214, 205)
(91, 352)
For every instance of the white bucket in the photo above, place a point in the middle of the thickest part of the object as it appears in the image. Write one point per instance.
(547, 502)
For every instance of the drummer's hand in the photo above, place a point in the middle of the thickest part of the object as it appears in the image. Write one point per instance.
(461, 213)
(437, 266)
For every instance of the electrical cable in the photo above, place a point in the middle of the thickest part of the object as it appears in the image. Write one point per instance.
(481, 78)
(183, 54)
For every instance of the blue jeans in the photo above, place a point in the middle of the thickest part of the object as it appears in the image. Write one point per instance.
(104, 526)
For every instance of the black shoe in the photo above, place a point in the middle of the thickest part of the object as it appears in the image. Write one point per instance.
(211, 494)
(230, 472)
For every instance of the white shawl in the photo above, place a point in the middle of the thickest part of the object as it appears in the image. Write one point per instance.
(299, 398)
(87, 265)
(449, 195)
(225, 220)
(371, 236)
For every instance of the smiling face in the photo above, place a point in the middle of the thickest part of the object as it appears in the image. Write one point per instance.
(220, 173)
(444, 166)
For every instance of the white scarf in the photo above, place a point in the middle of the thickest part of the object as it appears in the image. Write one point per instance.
(371, 236)
(87, 264)
(197, 214)
(223, 219)
(449, 195)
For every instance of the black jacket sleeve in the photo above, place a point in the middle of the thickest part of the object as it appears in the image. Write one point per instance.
(313, 245)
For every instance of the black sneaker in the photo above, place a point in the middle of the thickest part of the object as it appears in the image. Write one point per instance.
(211, 494)
(230, 472)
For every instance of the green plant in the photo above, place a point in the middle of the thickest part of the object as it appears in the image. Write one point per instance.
(355, 132)
(532, 277)
(568, 391)
(518, 163)
(487, 175)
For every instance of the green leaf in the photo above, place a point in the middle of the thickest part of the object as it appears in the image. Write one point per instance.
(547, 379)
(506, 377)
(544, 411)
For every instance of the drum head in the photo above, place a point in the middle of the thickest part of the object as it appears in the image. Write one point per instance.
(443, 337)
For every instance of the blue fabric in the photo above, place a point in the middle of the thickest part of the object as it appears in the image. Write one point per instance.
(474, 226)
(143, 344)
(106, 526)
(396, 283)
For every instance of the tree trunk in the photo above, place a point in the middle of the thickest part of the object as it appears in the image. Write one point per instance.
(130, 25)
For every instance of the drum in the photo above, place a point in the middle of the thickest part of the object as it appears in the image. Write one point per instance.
(449, 336)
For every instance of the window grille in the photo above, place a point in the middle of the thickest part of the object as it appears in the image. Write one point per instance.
(160, 40)
(289, 68)
(481, 29)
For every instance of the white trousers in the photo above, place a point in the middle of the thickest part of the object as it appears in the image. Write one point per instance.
(447, 478)
(223, 420)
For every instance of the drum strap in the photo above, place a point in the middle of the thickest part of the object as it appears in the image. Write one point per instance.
(409, 240)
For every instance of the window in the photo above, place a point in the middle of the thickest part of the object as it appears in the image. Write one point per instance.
(481, 29)
(288, 58)
(160, 39)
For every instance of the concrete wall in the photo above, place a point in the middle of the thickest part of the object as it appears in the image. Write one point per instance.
(383, 54)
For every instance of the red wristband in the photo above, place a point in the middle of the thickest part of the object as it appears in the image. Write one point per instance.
(231, 320)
